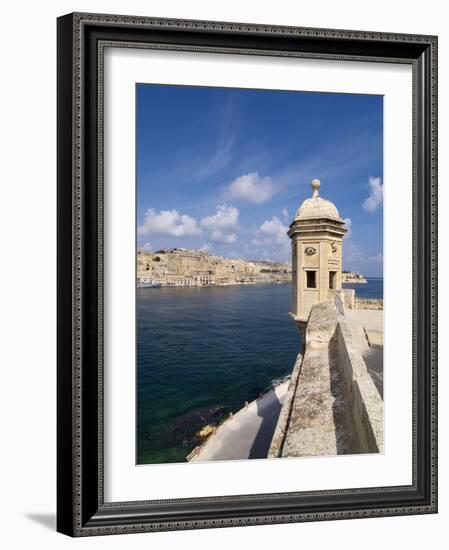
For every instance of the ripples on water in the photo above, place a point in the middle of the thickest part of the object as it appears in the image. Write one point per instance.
(373, 288)
(203, 348)
(203, 352)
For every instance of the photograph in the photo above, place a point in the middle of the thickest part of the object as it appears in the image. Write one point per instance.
(259, 274)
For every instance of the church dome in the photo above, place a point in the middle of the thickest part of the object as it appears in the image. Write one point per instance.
(317, 207)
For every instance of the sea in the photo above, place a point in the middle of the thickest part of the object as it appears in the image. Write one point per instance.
(203, 352)
(373, 288)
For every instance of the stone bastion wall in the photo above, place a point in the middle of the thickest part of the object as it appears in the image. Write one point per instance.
(332, 405)
(368, 303)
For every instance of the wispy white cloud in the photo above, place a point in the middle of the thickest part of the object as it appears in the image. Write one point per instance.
(355, 259)
(352, 255)
(376, 196)
(221, 226)
(220, 158)
(252, 188)
(205, 248)
(168, 223)
(341, 162)
(147, 247)
(222, 154)
(377, 259)
(285, 214)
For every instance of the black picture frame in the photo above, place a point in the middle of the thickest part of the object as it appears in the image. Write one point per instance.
(81, 510)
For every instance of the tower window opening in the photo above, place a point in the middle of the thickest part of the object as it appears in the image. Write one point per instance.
(311, 279)
(332, 279)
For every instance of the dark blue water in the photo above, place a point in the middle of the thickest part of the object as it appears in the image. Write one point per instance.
(373, 288)
(203, 352)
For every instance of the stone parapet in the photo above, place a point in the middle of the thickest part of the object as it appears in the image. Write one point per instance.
(335, 407)
(365, 403)
(282, 423)
(368, 303)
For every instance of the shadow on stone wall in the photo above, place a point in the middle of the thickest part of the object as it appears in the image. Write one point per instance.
(269, 415)
(336, 407)
(341, 407)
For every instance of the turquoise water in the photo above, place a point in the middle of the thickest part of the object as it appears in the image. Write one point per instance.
(203, 352)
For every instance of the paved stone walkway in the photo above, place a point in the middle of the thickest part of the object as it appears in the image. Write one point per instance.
(249, 433)
(371, 319)
(367, 327)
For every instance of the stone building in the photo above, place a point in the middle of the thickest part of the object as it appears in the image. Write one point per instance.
(316, 234)
(185, 268)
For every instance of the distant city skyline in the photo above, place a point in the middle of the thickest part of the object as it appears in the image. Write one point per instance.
(224, 170)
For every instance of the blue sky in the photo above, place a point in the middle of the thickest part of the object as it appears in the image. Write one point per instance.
(225, 169)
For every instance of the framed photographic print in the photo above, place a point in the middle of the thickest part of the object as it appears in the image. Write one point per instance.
(247, 292)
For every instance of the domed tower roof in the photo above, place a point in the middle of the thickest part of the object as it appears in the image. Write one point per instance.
(317, 207)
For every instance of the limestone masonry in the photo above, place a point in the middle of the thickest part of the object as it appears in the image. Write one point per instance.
(187, 268)
(333, 402)
(336, 405)
(316, 234)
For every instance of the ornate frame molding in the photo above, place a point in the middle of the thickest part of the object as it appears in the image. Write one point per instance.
(81, 41)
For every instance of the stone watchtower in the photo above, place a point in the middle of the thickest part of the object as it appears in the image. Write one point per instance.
(316, 234)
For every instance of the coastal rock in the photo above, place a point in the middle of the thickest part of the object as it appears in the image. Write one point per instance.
(187, 427)
(206, 431)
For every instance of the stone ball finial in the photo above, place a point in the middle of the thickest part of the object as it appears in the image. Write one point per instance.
(316, 184)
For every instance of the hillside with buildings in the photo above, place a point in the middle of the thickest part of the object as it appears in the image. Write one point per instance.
(189, 268)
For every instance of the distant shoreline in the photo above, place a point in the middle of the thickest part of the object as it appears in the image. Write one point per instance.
(180, 267)
(255, 283)
(367, 278)
(260, 283)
